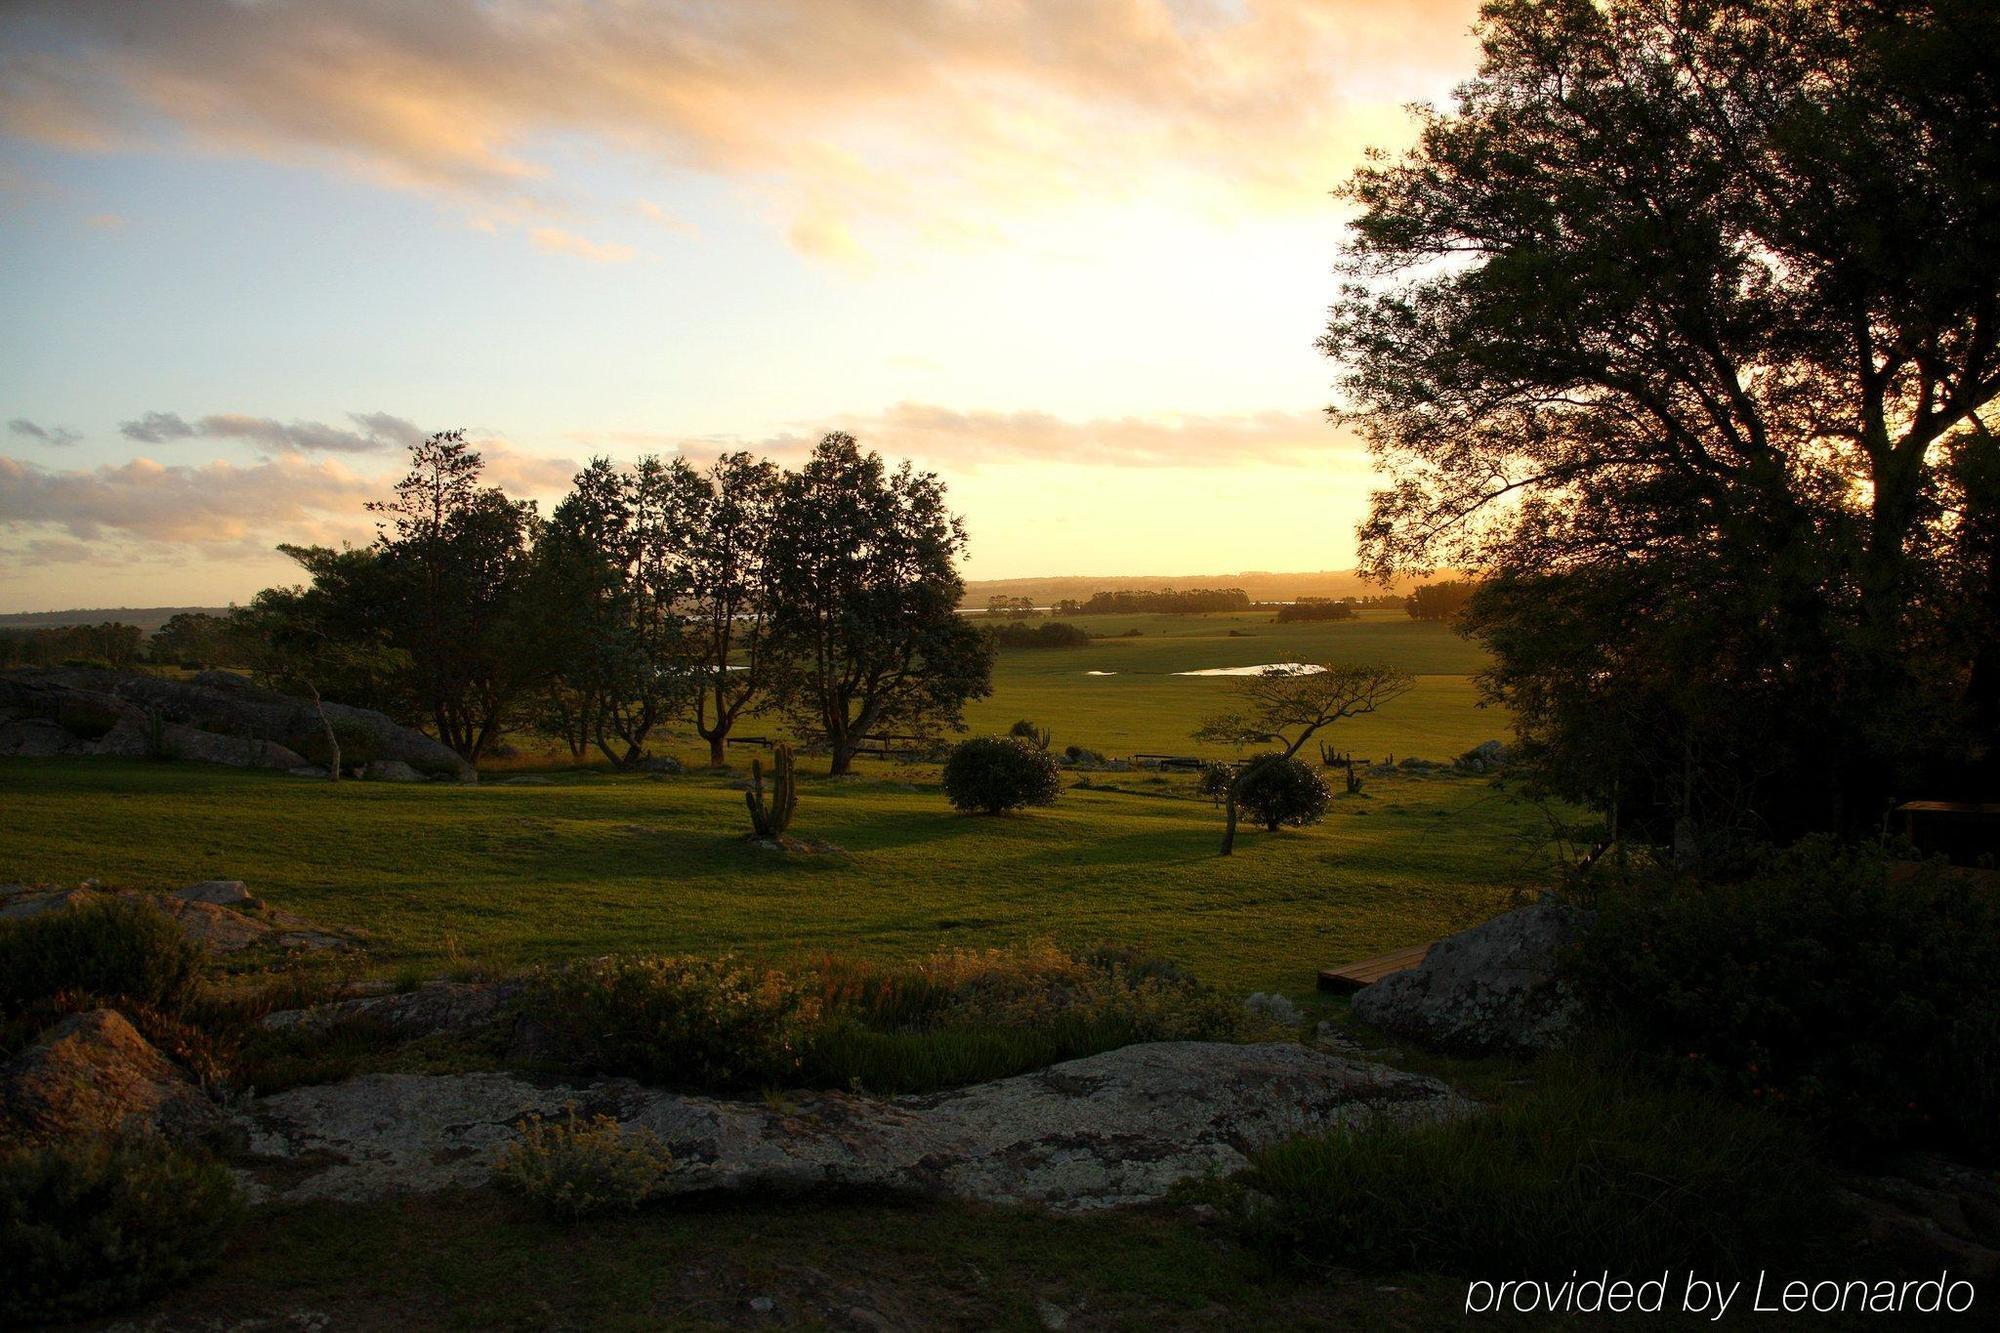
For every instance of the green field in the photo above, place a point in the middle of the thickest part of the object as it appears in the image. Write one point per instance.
(509, 875)
(1143, 707)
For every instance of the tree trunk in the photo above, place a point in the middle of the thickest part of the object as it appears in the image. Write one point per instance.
(1229, 829)
(332, 741)
(843, 758)
(718, 749)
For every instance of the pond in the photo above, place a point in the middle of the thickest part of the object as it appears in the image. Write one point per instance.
(1288, 668)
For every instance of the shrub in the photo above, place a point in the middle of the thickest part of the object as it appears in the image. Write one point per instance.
(1077, 754)
(1276, 791)
(1828, 983)
(90, 1226)
(117, 948)
(965, 1016)
(1591, 1170)
(578, 1168)
(991, 774)
(696, 1022)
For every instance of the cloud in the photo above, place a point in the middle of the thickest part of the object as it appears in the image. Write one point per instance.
(948, 438)
(59, 436)
(107, 221)
(559, 242)
(846, 119)
(652, 212)
(377, 433)
(202, 505)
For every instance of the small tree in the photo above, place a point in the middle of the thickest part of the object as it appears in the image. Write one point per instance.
(991, 774)
(1287, 705)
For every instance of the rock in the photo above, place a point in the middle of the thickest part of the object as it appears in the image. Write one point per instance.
(1485, 757)
(1329, 1037)
(1118, 1128)
(438, 1006)
(39, 738)
(1052, 1316)
(392, 770)
(1925, 1204)
(1491, 988)
(34, 902)
(1276, 1007)
(1416, 765)
(664, 763)
(762, 1304)
(93, 1073)
(217, 717)
(528, 780)
(221, 892)
(308, 771)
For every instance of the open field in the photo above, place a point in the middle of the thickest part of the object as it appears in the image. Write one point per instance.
(1144, 707)
(510, 875)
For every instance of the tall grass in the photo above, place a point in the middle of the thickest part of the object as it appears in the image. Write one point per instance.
(1594, 1169)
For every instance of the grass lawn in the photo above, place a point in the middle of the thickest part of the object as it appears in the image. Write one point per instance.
(1142, 706)
(509, 875)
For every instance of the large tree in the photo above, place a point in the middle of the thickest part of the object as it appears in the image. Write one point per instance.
(866, 635)
(1701, 300)
(456, 556)
(730, 567)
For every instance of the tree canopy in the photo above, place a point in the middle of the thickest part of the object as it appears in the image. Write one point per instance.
(1700, 300)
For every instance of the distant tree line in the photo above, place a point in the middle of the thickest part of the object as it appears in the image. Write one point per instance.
(111, 643)
(1013, 608)
(1052, 634)
(653, 596)
(1316, 608)
(1440, 601)
(1170, 601)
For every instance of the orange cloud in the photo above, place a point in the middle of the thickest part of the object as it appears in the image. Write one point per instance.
(557, 241)
(848, 118)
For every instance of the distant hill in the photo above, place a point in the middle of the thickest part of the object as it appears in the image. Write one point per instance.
(147, 618)
(1262, 585)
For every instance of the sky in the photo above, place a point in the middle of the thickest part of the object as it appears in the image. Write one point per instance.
(1073, 256)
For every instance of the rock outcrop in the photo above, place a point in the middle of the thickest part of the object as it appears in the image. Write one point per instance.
(439, 1007)
(93, 1073)
(1118, 1128)
(217, 717)
(216, 928)
(1491, 988)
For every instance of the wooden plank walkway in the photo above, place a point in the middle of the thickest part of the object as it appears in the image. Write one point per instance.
(1351, 977)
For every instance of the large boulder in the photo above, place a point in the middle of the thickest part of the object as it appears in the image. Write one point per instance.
(93, 1073)
(1118, 1128)
(216, 717)
(1491, 988)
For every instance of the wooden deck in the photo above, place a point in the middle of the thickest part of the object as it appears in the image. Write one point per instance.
(1351, 977)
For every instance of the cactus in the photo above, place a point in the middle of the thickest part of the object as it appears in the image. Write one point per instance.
(771, 821)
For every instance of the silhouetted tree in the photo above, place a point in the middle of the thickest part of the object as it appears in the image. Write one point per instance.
(456, 553)
(1702, 300)
(729, 593)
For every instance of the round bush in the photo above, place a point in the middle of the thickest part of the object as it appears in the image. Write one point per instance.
(117, 948)
(991, 775)
(91, 1226)
(1276, 791)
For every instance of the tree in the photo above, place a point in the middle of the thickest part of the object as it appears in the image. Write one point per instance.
(1704, 296)
(309, 638)
(198, 637)
(729, 593)
(1445, 600)
(866, 634)
(1286, 706)
(457, 557)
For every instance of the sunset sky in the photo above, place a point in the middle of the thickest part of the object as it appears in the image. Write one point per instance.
(1071, 255)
